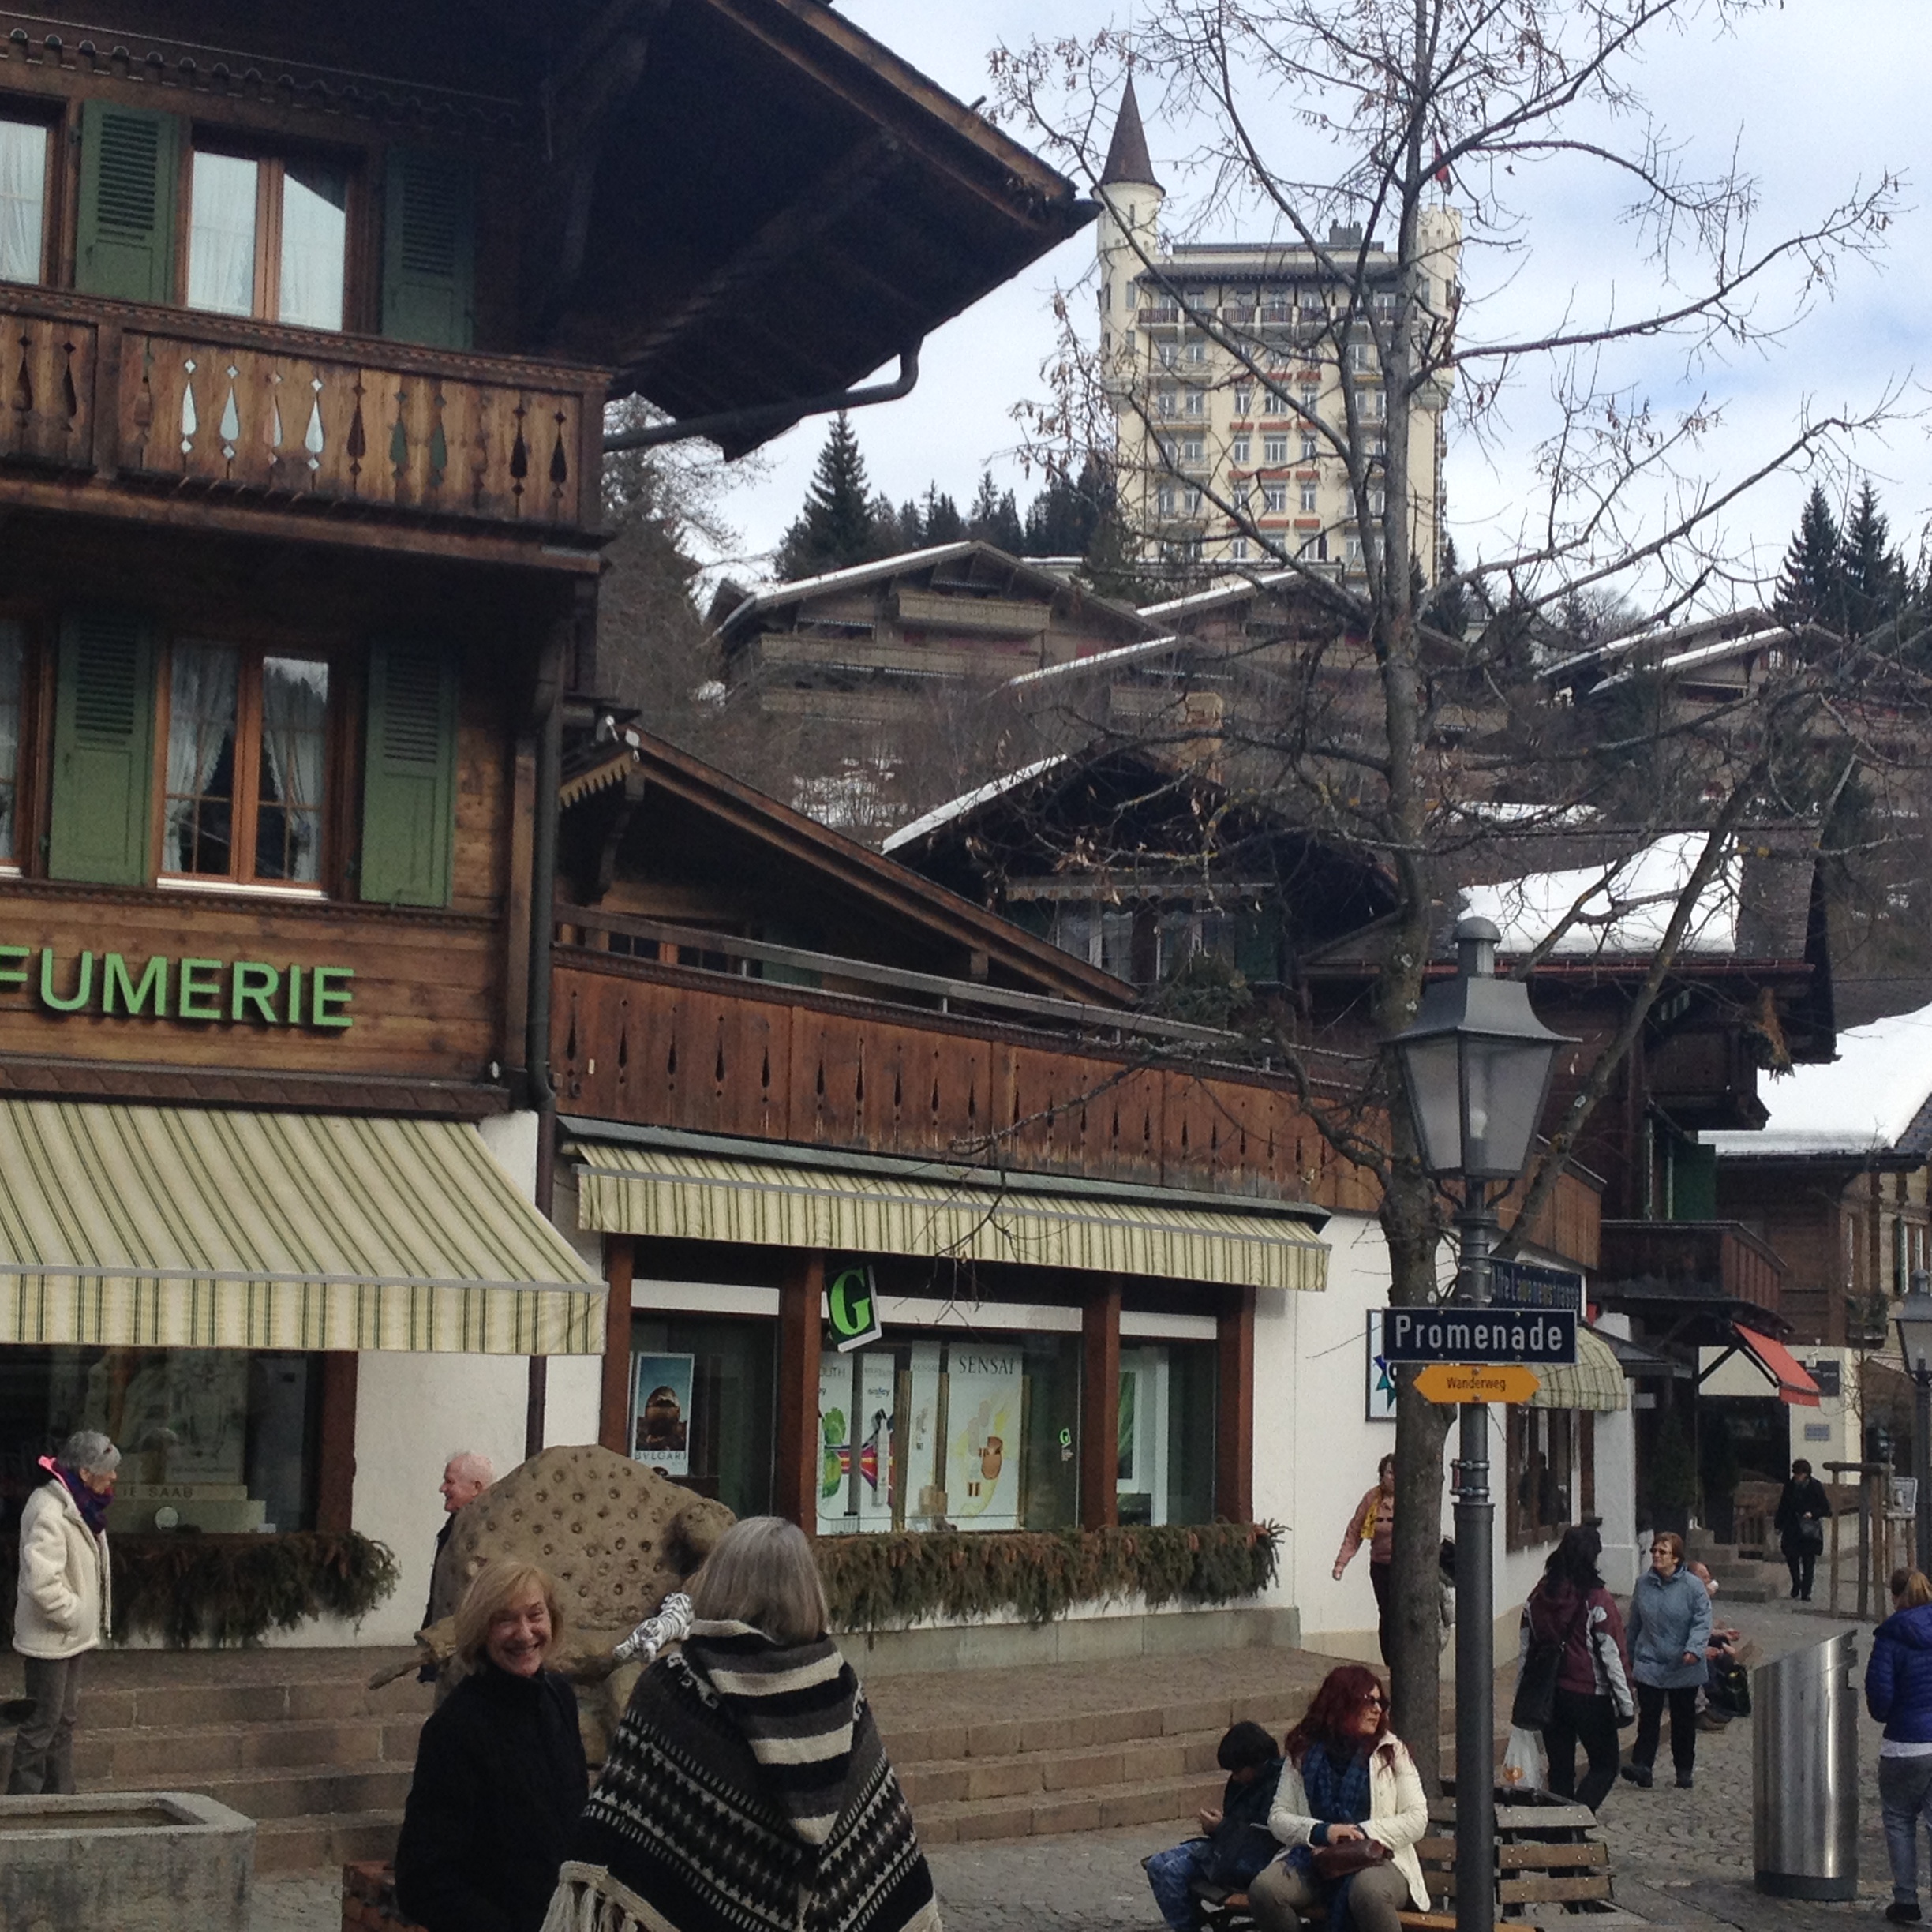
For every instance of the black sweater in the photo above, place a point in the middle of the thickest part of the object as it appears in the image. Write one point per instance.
(500, 1781)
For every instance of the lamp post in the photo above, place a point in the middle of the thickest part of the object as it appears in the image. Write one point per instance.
(1477, 1065)
(1914, 1332)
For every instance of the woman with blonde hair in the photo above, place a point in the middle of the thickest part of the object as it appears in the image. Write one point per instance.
(500, 1775)
(747, 1785)
(1898, 1693)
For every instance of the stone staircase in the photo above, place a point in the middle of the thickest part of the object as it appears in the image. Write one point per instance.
(1741, 1578)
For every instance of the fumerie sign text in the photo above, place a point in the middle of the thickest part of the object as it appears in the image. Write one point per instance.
(245, 992)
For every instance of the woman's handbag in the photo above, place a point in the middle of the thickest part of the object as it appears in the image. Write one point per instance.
(1534, 1704)
(1334, 1861)
(1811, 1534)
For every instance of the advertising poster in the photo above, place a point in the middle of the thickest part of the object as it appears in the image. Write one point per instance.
(983, 1395)
(872, 1458)
(661, 1412)
(1381, 1377)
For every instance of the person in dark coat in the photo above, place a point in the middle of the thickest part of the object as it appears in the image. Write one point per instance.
(1802, 1511)
(1571, 1607)
(1898, 1693)
(500, 1776)
(1237, 1842)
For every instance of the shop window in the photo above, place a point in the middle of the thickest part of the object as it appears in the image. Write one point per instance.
(1542, 1466)
(267, 237)
(976, 1433)
(23, 200)
(246, 766)
(13, 660)
(1166, 1467)
(219, 1440)
(703, 1395)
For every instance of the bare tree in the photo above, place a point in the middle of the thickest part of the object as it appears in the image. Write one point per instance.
(1390, 146)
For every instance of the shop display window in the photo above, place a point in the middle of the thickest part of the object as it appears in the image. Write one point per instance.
(703, 1390)
(218, 1440)
(1166, 1468)
(1541, 1464)
(930, 1432)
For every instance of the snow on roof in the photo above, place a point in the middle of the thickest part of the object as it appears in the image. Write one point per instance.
(1094, 659)
(1862, 1102)
(851, 574)
(968, 801)
(1623, 911)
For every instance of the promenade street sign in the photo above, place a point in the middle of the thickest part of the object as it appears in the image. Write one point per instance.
(1529, 1284)
(1442, 1382)
(1535, 1337)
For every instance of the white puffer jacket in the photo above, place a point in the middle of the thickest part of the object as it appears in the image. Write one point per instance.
(1397, 1811)
(66, 1602)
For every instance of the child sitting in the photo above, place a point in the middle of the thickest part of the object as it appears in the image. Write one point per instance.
(1238, 1843)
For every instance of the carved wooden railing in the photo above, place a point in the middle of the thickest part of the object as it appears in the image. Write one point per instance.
(257, 412)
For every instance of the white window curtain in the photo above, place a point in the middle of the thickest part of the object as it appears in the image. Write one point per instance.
(314, 238)
(23, 199)
(294, 716)
(221, 243)
(201, 725)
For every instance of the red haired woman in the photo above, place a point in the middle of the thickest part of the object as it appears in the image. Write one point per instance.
(1346, 1779)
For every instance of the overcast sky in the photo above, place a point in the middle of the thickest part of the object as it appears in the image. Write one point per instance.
(1814, 96)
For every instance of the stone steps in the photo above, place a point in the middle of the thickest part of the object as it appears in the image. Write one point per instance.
(1095, 1807)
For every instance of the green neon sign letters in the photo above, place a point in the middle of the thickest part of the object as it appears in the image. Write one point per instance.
(851, 1306)
(240, 993)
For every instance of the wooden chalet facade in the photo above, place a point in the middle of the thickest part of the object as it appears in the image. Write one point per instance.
(308, 320)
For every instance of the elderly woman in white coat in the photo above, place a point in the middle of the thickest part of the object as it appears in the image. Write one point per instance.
(65, 1605)
(1346, 1776)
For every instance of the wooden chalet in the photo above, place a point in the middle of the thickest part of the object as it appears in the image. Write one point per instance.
(309, 316)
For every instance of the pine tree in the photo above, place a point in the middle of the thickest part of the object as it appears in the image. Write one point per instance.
(1872, 572)
(835, 528)
(994, 517)
(1811, 588)
(940, 521)
(1449, 610)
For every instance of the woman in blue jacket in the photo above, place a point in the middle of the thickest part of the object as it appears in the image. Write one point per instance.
(1898, 1692)
(1669, 1631)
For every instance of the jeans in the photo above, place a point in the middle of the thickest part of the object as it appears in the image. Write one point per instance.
(1650, 1723)
(43, 1749)
(1280, 1895)
(1379, 1582)
(1170, 1874)
(1904, 1797)
(1590, 1721)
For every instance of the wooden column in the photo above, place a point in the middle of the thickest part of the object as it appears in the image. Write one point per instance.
(795, 1486)
(614, 1409)
(1100, 1408)
(335, 1442)
(1234, 1407)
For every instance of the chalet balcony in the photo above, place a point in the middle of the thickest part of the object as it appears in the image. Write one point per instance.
(177, 416)
(1663, 1268)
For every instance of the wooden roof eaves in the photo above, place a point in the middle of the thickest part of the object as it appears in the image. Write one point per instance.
(883, 881)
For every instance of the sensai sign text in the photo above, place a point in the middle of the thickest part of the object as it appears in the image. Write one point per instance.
(245, 992)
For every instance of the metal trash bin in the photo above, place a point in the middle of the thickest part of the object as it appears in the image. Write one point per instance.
(1804, 1772)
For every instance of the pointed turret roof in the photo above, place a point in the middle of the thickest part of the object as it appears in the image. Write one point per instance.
(1127, 159)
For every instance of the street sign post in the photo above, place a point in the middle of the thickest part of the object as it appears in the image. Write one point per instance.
(1529, 1284)
(1455, 1332)
(1453, 1384)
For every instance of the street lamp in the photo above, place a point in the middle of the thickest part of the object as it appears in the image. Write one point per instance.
(1914, 1331)
(1477, 1065)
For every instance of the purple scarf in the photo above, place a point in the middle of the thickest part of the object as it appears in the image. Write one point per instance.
(93, 1508)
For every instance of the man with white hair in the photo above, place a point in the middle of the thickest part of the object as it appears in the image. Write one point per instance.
(465, 1476)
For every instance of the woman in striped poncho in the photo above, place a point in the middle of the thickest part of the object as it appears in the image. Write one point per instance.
(747, 1790)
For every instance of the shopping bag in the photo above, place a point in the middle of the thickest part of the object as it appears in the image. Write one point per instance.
(1523, 1767)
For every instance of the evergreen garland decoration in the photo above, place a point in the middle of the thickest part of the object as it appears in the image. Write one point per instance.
(225, 1591)
(875, 1582)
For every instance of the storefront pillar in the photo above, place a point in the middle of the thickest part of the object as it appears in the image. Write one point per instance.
(1100, 1408)
(336, 1435)
(614, 1405)
(801, 1291)
(1234, 1407)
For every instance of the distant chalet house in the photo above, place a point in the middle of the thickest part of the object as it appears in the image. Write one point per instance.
(882, 676)
(310, 317)
(1835, 1181)
(1154, 873)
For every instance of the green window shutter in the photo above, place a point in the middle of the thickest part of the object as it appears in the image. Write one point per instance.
(428, 250)
(104, 750)
(130, 172)
(409, 790)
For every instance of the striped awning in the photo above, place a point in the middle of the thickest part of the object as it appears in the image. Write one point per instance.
(964, 1214)
(191, 1227)
(1595, 1380)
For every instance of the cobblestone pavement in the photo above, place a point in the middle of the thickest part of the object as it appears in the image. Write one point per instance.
(1680, 1860)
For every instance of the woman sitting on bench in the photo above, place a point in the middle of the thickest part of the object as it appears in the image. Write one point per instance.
(1349, 1808)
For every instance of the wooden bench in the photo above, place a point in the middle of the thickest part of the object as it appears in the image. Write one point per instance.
(1543, 1858)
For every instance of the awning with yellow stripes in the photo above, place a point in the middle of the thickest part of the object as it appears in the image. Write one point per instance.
(1595, 1380)
(191, 1227)
(962, 1213)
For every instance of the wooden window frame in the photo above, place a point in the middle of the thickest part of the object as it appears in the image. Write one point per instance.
(28, 112)
(273, 157)
(250, 652)
(1523, 1528)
